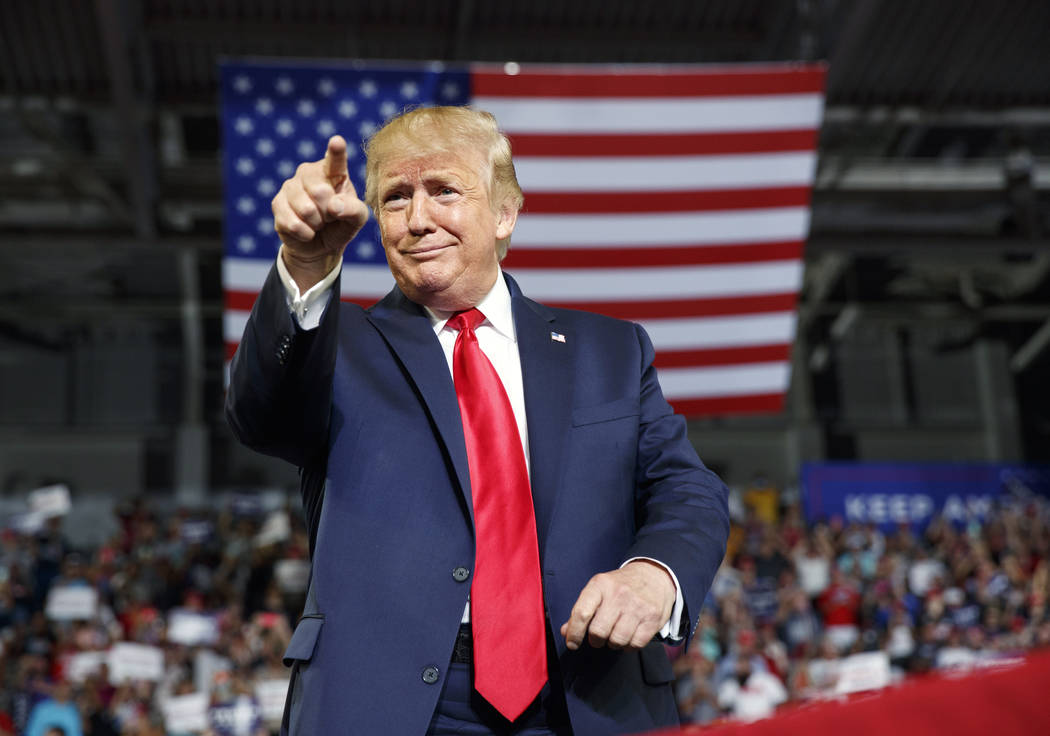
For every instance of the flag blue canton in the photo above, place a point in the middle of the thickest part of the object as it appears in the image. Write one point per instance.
(274, 117)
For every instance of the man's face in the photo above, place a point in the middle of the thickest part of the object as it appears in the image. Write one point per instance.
(439, 229)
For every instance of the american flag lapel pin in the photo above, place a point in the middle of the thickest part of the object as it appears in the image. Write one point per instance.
(557, 337)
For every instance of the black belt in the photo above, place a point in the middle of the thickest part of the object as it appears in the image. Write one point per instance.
(463, 652)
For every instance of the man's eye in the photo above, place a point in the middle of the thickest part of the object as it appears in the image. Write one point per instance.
(448, 190)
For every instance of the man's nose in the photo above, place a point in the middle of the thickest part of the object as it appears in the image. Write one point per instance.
(419, 215)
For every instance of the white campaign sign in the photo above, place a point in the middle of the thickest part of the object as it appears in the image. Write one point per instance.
(83, 664)
(192, 628)
(129, 661)
(271, 694)
(71, 603)
(50, 501)
(865, 671)
(184, 713)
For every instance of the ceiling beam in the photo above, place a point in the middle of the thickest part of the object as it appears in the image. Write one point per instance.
(112, 20)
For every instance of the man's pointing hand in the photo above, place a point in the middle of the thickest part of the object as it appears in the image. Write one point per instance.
(316, 213)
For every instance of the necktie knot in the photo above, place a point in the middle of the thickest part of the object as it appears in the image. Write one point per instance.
(466, 320)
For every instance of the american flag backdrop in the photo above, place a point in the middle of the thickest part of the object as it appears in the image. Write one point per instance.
(677, 197)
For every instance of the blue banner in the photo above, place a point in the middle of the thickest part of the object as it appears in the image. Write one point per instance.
(891, 494)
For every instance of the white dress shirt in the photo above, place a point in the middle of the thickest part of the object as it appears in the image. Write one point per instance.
(498, 341)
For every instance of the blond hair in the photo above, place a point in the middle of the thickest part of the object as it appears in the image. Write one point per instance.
(429, 130)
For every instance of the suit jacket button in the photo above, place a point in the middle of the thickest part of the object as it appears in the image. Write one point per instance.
(460, 574)
(431, 674)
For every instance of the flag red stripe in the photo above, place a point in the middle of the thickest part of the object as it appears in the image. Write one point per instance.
(722, 356)
(662, 144)
(240, 300)
(586, 203)
(584, 83)
(640, 256)
(633, 310)
(231, 348)
(672, 308)
(243, 300)
(714, 405)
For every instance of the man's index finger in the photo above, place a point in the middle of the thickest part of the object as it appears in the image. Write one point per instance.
(335, 167)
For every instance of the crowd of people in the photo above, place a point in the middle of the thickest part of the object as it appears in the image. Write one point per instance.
(792, 602)
(204, 592)
(795, 603)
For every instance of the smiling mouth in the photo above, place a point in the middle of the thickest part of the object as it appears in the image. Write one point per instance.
(423, 252)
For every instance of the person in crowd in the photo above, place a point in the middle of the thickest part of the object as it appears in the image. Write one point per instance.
(57, 712)
(695, 689)
(750, 694)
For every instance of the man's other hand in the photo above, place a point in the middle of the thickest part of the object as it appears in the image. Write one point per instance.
(316, 213)
(622, 609)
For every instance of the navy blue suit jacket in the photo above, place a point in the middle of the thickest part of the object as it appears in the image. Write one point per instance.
(365, 406)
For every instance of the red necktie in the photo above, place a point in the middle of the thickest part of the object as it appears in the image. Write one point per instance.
(506, 597)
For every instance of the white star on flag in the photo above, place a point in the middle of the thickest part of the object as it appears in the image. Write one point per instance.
(409, 89)
(284, 85)
(368, 88)
(264, 106)
(242, 84)
(264, 147)
(284, 127)
(306, 108)
(244, 126)
(245, 166)
(347, 108)
(326, 86)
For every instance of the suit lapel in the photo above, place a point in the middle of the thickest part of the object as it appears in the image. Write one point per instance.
(407, 329)
(547, 369)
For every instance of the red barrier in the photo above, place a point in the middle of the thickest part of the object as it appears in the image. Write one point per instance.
(1011, 698)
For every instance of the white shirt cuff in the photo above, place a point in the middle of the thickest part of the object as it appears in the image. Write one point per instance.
(307, 307)
(671, 629)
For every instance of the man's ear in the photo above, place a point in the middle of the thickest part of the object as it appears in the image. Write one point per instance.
(506, 218)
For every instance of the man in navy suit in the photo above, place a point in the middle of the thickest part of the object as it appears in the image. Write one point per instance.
(630, 525)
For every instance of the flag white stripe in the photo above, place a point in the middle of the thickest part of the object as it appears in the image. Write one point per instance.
(671, 282)
(580, 285)
(725, 380)
(248, 274)
(734, 331)
(664, 173)
(233, 322)
(654, 114)
(688, 333)
(662, 228)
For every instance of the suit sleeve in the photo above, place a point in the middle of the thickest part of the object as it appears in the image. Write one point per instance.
(681, 506)
(279, 399)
